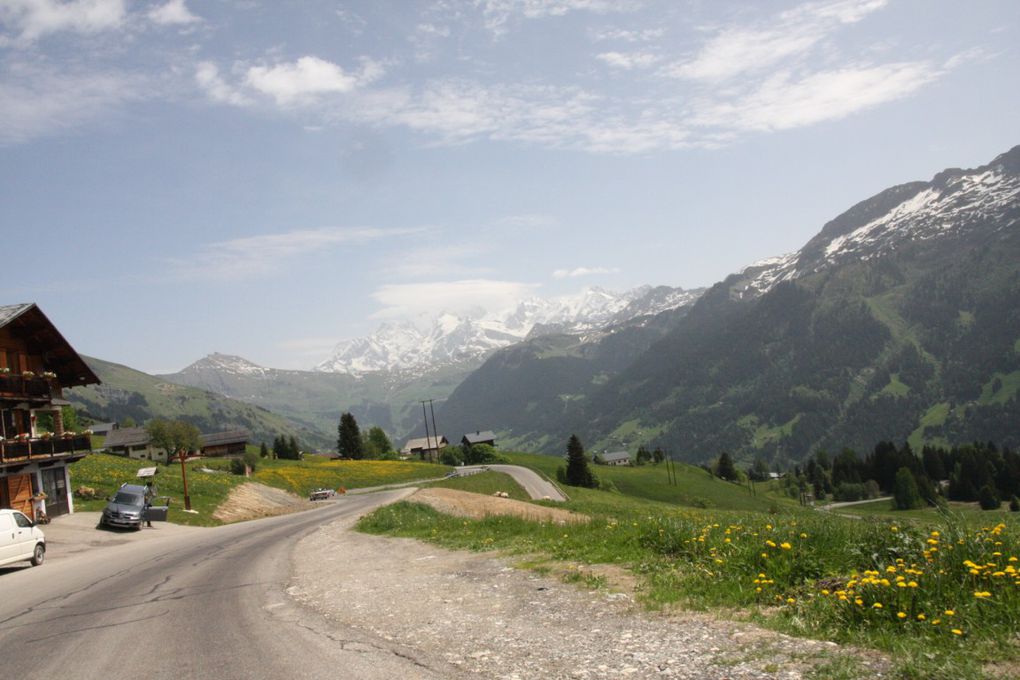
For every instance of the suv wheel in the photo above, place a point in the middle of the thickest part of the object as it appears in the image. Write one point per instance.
(38, 555)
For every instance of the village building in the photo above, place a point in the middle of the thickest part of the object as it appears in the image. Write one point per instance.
(36, 364)
(426, 448)
(479, 437)
(226, 443)
(615, 458)
(102, 429)
(133, 442)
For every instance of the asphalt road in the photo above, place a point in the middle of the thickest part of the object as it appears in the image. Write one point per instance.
(208, 604)
(532, 482)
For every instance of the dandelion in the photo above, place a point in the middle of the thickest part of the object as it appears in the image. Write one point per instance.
(957, 631)
(921, 617)
(949, 612)
(877, 605)
(901, 615)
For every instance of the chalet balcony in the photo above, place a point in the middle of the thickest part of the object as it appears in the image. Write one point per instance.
(30, 450)
(20, 387)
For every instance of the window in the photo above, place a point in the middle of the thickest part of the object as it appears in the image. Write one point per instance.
(22, 521)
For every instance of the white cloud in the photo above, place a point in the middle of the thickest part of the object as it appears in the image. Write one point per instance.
(174, 12)
(583, 271)
(498, 13)
(783, 101)
(738, 50)
(34, 19)
(253, 255)
(37, 102)
(629, 36)
(207, 75)
(628, 60)
(414, 299)
(309, 77)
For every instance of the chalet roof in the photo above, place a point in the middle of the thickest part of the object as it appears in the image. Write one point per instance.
(239, 436)
(425, 443)
(481, 436)
(127, 436)
(615, 456)
(28, 322)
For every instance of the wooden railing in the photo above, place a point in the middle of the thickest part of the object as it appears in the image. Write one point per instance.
(18, 386)
(33, 449)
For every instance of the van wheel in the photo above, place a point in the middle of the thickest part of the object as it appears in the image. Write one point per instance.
(38, 555)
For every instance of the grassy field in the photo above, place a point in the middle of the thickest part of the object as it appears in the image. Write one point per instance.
(694, 488)
(105, 473)
(939, 593)
(486, 483)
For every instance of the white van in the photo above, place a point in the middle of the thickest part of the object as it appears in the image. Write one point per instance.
(20, 539)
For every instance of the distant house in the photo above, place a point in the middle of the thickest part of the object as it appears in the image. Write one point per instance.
(615, 458)
(426, 448)
(103, 429)
(224, 443)
(480, 437)
(133, 442)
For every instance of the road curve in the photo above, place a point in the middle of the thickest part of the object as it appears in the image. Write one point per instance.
(208, 604)
(535, 484)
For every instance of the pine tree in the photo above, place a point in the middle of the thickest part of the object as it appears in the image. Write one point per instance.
(263, 451)
(987, 498)
(725, 468)
(292, 449)
(578, 473)
(348, 442)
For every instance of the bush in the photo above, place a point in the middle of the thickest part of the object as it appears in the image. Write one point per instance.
(451, 455)
(249, 459)
(1014, 504)
(987, 498)
(847, 492)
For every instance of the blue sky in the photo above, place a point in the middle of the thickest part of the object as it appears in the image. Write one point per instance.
(266, 178)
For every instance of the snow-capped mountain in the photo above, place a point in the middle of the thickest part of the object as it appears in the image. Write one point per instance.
(954, 203)
(453, 339)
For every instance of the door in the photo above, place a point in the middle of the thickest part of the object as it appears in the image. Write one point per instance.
(24, 537)
(8, 548)
(156, 513)
(55, 486)
(19, 493)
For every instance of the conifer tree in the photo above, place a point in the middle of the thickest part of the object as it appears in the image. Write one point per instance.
(725, 469)
(348, 442)
(578, 473)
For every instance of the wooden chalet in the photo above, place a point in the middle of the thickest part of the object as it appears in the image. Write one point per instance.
(36, 364)
(225, 443)
(426, 448)
(133, 442)
(479, 437)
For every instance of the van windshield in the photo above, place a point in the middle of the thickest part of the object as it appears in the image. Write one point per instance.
(125, 498)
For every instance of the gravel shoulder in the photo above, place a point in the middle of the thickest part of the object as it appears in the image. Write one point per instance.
(489, 619)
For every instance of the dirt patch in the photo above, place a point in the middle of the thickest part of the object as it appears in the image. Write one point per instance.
(478, 506)
(252, 500)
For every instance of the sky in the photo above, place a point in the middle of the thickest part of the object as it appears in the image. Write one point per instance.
(265, 178)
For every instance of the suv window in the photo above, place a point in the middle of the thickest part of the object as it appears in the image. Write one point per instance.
(22, 521)
(127, 498)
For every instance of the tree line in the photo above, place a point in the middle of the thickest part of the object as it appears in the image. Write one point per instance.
(980, 472)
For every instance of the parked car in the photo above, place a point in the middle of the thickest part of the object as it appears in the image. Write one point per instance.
(128, 508)
(321, 494)
(20, 539)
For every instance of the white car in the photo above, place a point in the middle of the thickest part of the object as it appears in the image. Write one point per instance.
(20, 539)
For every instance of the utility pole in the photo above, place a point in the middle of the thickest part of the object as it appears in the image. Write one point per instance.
(184, 478)
(425, 415)
(435, 430)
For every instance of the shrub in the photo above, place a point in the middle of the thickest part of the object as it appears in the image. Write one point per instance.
(987, 498)
(1014, 504)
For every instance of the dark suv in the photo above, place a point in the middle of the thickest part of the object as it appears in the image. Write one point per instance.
(128, 508)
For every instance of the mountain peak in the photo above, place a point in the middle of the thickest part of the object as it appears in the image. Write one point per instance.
(454, 338)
